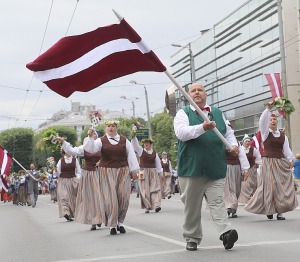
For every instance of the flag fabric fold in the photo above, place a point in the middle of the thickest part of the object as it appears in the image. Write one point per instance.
(5, 161)
(84, 62)
(274, 84)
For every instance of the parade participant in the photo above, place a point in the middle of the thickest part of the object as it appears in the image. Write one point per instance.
(202, 168)
(5, 186)
(22, 188)
(69, 172)
(167, 176)
(275, 192)
(254, 158)
(53, 179)
(237, 166)
(149, 181)
(297, 167)
(33, 179)
(89, 208)
(117, 161)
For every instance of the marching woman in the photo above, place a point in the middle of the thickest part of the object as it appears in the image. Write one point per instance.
(22, 188)
(118, 162)
(69, 171)
(166, 179)
(53, 178)
(149, 181)
(275, 192)
(254, 158)
(5, 186)
(89, 207)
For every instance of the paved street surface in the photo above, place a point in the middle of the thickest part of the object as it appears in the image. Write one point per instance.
(38, 235)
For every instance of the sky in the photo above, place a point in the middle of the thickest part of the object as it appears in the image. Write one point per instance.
(29, 27)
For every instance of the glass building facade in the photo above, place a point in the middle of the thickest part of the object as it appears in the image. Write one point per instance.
(230, 60)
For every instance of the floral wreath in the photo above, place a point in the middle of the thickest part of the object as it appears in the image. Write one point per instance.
(95, 117)
(284, 104)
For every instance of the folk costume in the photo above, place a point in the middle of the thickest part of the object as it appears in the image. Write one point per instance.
(117, 161)
(89, 207)
(69, 172)
(166, 178)
(254, 158)
(5, 186)
(202, 172)
(275, 192)
(32, 185)
(149, 181)
(237, 165)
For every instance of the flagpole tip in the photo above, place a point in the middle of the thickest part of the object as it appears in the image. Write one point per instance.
(117, 15)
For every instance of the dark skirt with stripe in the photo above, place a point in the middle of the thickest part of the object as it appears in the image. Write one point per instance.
(275, 192)
(66, 196)
(232, 188)
(89, 202)
(249, 186)
(115, 187)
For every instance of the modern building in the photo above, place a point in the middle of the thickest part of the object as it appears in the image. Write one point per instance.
(231, 59)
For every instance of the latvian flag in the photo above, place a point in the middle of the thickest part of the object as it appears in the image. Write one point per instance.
(83, 62)
(5, 161)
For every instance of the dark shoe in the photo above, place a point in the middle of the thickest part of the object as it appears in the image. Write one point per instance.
(121, 229)
(93, 227)
(157, 209)
(70, 219)
(33, 205)
(234, 215)
(270, 216)
(280, 218)
(113, 231)
(65, 216)
(169, 196)
(191, 246)
(99, 225)
(146, 211)
(229, 238)
(229, 211)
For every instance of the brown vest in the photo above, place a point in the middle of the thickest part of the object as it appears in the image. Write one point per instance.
(90, 160)
(232, 159)
(113, 156)
(250, 157)
(68, 170)
(147, 160)
(273, 146)
(165, 166)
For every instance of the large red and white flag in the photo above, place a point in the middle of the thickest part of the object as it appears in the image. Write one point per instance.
(83, 62)
(5, 161)
(275, 84)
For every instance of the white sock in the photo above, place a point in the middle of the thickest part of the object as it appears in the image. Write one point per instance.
(120, 224)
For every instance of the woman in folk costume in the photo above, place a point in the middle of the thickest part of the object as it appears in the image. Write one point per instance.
(166, 178)
(237, 167)
(22, 188)
(254, 158)
(275, 192)
(5, 186)
(69, 172)
(89, 207)
(118, 161)
(149, 181)
(53, 178)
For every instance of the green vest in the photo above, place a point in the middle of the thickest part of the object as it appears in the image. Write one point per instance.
(203, 156)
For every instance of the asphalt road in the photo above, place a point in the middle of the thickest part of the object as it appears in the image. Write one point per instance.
(37, 235)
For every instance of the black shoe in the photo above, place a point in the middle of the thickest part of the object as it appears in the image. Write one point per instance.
(229, 238)
(121, 229)
(270, 216)
(33, 205)
(146, 211)
(229, 211)
(99, 225)
(65, 216)
(93, 227)
(280, 218)
(191, 246)
(113, 231)
(157, 209)
(234, 215)
(169, 196)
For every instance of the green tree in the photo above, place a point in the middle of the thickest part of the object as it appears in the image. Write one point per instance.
(19, 143)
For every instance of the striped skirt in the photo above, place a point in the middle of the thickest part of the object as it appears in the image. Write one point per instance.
(275, 192)
(89, 202)
(150, 193)
(115, 187)
(249, 186)
(232, 188)
(66, 194)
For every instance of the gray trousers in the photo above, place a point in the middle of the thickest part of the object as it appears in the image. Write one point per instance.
(193, 190)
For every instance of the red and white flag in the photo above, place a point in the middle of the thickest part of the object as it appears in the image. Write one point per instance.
(5, 161)
(275, 84)
(83, 62)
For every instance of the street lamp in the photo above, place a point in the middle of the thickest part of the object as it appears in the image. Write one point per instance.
(133, 106)
(147, 104)
(192, 60)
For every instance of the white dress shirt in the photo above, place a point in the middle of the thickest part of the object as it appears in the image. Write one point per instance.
(264, 123)
(185, 132)
(139, 150)
(93, 146)
(68, 160)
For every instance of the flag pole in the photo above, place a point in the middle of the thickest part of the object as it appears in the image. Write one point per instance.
(24, 169)
(186, 95)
